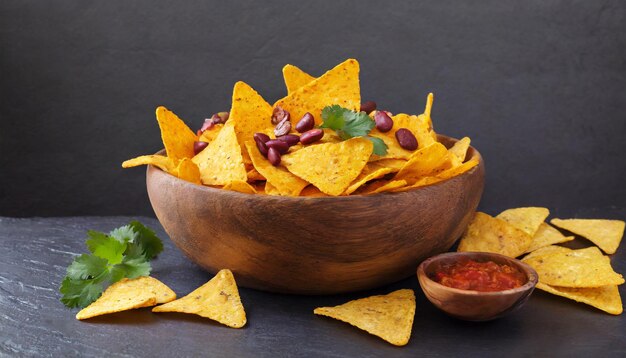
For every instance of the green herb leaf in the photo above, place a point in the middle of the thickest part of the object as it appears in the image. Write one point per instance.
(106, 247)
(86, 267)
(124, 234)
(80, 293)
(349, 124)
(147, 239)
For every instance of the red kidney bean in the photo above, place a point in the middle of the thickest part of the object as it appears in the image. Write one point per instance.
(311, 136)
(208, 124)
(282, 128)
(279, 115)
(291, 139)
(273, 156)
(406, 139)
(307, 122)
(279, 145)
(384, 123)
(261, 136)
(199, 146)
(368, 107)
(261, 145)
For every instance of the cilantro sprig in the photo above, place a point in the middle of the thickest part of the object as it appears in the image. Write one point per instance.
(123, 253)
(349, 124)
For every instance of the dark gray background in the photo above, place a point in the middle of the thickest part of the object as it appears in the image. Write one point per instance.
(539, 86)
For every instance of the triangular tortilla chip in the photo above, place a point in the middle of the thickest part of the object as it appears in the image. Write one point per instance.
(187, 170)
(389, 317)
(526, 219)
(240, 186)
(577, 268)
(162, 162)
(369, 172)
(488, 234)
(312, 192)
(249, 114)
(128, 294)
(210, 134)
(459, 149)
(607, 234)
(423, 162)
(546, 235)
(381, 186)
(546, 250)
(217, 299)
(281, 179)
(606, 298)
(331, 167)
(221, 161)
(338, 86)
(177, 137)
(295, 78)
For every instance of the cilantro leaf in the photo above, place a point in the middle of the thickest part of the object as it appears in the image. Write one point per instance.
(147, 239)
(80, 293)
(106, 247)
(349, 124)
(124, 234)
(380, 148)
(86, 267)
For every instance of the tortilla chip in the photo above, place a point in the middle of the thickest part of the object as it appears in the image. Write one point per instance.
(607, 234)
(187, 170)
(578, 268)
(312, 191)
(331, 167)
(270, 189)
(249, 114)
(395, 164)
(217, 299)
(606, 298)
(240, 186)
(282, 180)
(381, 186)
(160, 161)
(423, 162)
(547, 250)
(210, 134)
(177, 138)
(389, 317)
(221, 161)
(338, 86)
(546, 235)
(128, 294)
(295, 78)
(488, 234)
(369, 172)
(458, 170)
(417, 125)
(526, 219)
(459, 149)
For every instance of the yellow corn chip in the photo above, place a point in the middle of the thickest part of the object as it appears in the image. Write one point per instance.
(417, 125)
(331, 167)
(254, 175)
(128, 294)
(369, 172)
(395, 164)
(187, 170)
(547, 250)
(459, 149)
(270, 189)
(423, 162)
(217, 299)
(311, 191)
(578, 268)
(488, 234)
(221, 161)
(210, 134)
(526, 219)
(381, 186)
(160, 161)
(546, 235)
(249, 114)
(177, 137)
(338, 86)
(458, 170)
(240, 186)
(606, 298)
(282, 180)
(607, 234)
(389, 317)
(295, 78)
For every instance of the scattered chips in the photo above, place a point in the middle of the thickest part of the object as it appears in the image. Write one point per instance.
(177, 138)
(606, 298)
(331, 167)
(546, 235)
(488, 234)
(526, 219)
(607, 234)
(295, 78)
(221, 161)
(217, 299)
(389, 317)
(128, 294)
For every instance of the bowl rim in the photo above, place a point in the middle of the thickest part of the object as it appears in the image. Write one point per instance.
(531, 274)
(475, 155)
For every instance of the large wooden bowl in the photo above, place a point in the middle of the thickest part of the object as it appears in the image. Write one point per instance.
(315, 245)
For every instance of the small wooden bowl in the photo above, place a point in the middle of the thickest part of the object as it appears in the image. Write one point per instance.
(320, 245)
(474, 305)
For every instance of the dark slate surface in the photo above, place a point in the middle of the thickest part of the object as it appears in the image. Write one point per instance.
(34, 254)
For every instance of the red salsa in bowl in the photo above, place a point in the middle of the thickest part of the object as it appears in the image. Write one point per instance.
(485, 276)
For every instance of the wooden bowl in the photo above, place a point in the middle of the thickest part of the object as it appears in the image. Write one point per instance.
(473, 305)
(320, 245)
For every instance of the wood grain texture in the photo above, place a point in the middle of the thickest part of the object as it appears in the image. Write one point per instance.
(315, 245)
(33, 323)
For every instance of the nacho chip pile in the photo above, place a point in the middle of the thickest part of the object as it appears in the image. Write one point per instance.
(583, 275)
(225, 155)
